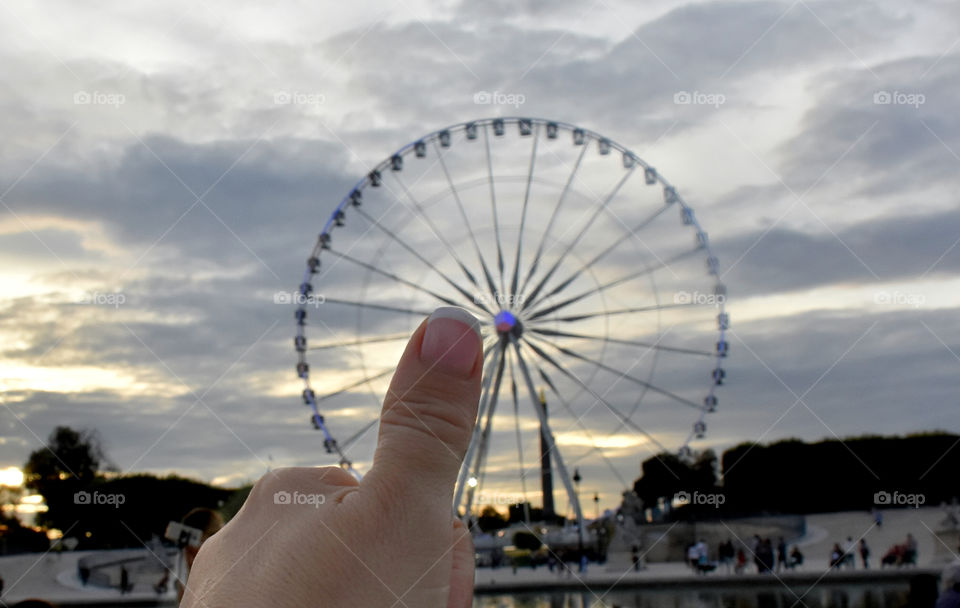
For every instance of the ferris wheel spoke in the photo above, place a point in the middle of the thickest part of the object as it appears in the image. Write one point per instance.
(493, 206)
(354, 385)
(606, 313)
(466, 222)
(419, 256)
(384, 307)
(356, 436)
(360, 341)
(498, 350)
(630, 233)
(601, 255)
(579, 422)
(553, 217)
(629, 277)
(523, 213)
(516, 424)
(481, 457)
(638, 343)
(529, 300)
(437, 233)
(547, 434)
(620, 373)
(402, 281)
(627, 421)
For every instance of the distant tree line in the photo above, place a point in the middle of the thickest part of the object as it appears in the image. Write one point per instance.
(101, 508)
(792, 476)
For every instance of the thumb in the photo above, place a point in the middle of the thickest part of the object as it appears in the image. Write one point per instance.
(429, 411)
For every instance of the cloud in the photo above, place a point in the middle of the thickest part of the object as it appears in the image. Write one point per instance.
(895, 248)
(892, 123)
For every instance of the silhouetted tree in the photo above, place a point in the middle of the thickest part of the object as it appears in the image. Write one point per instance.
(664, 475)
(490, 520)
(70, 461)
(149, 503)
(104, 511)
(794, 477)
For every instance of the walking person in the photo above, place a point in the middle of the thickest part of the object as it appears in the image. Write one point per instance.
(693, 556)
(865, 554)
(781, 555)
(725, 553)
(850, 554)
(702, 556)
(910, 551)
(766, 556)
(836, 556)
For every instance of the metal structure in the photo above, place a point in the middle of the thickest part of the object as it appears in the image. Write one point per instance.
(591, 276)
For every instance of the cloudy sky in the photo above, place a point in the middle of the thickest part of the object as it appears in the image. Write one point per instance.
(166, 167)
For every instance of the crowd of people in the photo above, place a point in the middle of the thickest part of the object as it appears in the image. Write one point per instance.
(731, 559)
(768, 557)
(900, 554)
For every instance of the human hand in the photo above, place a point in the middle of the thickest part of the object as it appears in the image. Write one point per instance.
(388, 540)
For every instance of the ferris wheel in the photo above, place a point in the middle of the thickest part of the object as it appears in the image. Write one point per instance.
(593, 280)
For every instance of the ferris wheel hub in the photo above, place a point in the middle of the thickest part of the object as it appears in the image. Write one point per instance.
(506, 322)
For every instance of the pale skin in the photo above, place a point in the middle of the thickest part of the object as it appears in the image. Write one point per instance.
(388, 540)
